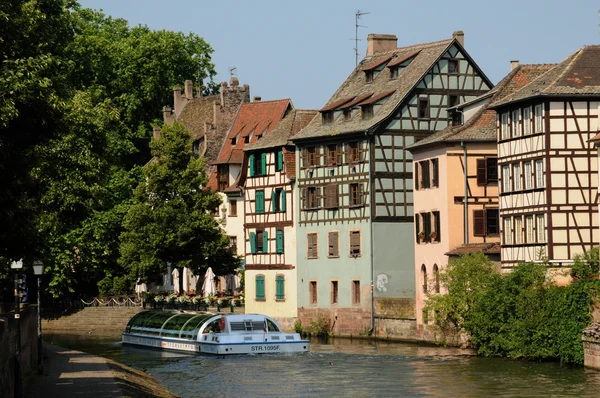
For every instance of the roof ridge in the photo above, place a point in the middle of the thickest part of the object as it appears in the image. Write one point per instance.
(263, 102)
(573, 57)
(422, 45)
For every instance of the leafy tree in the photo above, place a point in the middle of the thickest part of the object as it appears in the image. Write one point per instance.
(171, 220)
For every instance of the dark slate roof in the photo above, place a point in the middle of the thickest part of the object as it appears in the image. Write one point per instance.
(424, 57)
(291, 124)
(579, 74)
(482, 126)
(487, 248)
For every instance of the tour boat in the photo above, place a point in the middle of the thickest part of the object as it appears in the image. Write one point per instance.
(220, 334)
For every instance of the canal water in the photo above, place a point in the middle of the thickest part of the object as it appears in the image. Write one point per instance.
(345, 368)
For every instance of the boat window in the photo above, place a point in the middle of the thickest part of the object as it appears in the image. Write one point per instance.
(192, 326)
(273, 328)
(172, 327)
(213, 327)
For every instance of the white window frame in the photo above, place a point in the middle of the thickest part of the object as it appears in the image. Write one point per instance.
(516, 176)
(514, 120)
(527, 120)
(538, 121)
(505, 178)
(507, 230)
(504, 135)
(540, 224)
(528, 174)
(529, 226)
(518, 230)
(539, 173)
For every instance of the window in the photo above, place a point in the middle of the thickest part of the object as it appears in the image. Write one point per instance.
(527, 121)
(356, 195)
(331, 196)
(452, 100)
(259, 200)
(424, 181)
(327, 117)
(485, 222)
(424, 277)
(393, 72)
(435, 233)
(279, 241)
(333, 241)
(347, 113)
(456, 118)
(516, 127)
(310, 198)
(334, 292)
(334, 155)
(278, 200)
(257, 165)
(504, 134)
(516, 175)
(518, 230)
(310, 157)
(539, 173)
(279, 161)
(436, 278)
(354, 152)
(530, 227)
(434, 173)
(424, 227)
(508, 233)
(355, 292)
(247, 139)
(354, 243)
(260, 287)
(453, 66)
(528, 175)
(487, 171)
(538, 126)
(505, 178)
(312, 291)
(259, 242)
(423, 108)
(367, 111)
(223, 176)
(279, 287)
(541, 228)
(369, 76)
(233, 243)
(233, 208)
(311, 247)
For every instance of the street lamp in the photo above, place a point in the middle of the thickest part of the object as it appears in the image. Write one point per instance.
(38, 270)
(17, 265)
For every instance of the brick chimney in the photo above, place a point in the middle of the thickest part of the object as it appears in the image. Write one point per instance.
(514, 64)
(178, 100)
(167, 116)
(189, 89)
(459, 35)
(377, 43)
(257, 98)
(156, 133)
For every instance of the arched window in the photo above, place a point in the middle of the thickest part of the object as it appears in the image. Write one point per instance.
(424, 277)
(436, 278)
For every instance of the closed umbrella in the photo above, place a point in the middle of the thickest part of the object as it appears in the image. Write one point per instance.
(208, 286)
(175, 274)
(140, 287)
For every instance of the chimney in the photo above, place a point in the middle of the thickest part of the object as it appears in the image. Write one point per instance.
(189, 89)
(459, 35)
(514, 64)
(199, 92)
(177, 100)
(257, 98)
(167, 115)
(377, 43)
(156, 133)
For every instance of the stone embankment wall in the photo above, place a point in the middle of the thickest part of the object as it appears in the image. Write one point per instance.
(8, 347)
(89, 319)
(591, 346)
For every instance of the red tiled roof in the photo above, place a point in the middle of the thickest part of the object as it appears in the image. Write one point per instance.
(377, 63)
(376, 98)
(486, 248)
(402, 58)
(357, 100)
(336, 104)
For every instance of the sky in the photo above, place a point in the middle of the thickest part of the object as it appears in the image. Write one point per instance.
(304, 50)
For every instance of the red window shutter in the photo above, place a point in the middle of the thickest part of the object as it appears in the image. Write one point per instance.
(479, 222)
(481, 172)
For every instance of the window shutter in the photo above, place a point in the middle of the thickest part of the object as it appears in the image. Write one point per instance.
(333, 244)
(279, 287)
(283, 200)
(338, 154)
(437, 227)
(279, 160)
(314, 246)
(260, 201)
(361, 194)
(354, 243)
(252, 242)
(265, 242)
(481, 172)
(263, 164)
(359, 150)
(273, 201)
(417, 226)
(260, 287)
(251, 170)
(479, 222)
(304, 156)
(279, 240)
(417, 179)
(331, 196)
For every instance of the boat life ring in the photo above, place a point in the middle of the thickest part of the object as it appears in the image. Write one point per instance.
(222, 324)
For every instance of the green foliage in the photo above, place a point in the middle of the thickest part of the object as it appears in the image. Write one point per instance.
(321, 327)
(298, 326)
(518, 314)
(171, 221)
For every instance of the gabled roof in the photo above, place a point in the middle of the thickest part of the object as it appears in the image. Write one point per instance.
(577, 75)
(291, 124)
(486, 248)
(424, 56)
(482, 126)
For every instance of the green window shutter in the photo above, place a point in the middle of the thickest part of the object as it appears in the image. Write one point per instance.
(252, 243)
(263, 164)
(265, 242)
(279, 240)
(260, 201)
(279, 160)
(273, 201)
(283, 200)
(260, 287)
(251, 166)
(280, 287)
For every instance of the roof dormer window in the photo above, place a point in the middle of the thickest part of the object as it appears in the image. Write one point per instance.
(400, 62)
(367, 111)
(369, 76)
(327, 117)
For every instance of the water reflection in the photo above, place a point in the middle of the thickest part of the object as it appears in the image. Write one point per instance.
(345, 368)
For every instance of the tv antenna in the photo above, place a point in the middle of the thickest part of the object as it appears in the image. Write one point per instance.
(358, 14)
(232, 71)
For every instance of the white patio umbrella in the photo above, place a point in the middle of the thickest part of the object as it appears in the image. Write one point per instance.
(233, 282)
(208, 286)
(175, 274)
(140, 287)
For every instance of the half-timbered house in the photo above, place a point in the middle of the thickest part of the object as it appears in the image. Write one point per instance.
(456, 189)
(355, 183)
(253, 121)
(548, 180)
(269, 218)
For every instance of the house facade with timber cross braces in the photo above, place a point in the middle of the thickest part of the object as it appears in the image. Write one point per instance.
(456, 189)
(355, 229)
(269, 221)
(548, 166)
